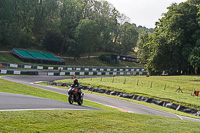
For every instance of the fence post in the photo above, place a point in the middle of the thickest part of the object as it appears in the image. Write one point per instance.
(179, 90)
(125, 81)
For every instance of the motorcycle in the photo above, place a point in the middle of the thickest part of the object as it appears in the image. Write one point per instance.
(75, 95)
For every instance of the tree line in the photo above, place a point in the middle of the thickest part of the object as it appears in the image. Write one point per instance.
(72, 27)
(174, 45)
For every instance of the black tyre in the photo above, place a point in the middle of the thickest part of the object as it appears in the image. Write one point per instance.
(70, 99)
(80, 102)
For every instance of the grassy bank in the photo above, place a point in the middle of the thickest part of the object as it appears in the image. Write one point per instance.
(98, 62)
(159, 87)
(7, 57)
(91, 121)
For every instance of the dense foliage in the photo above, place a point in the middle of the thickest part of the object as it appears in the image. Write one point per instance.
(72, 27)
(175, 43)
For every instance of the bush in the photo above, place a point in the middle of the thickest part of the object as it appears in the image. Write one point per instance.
(53, 41)
(106, 58)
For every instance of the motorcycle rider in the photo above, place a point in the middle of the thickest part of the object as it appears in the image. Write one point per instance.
(76, 85)
(75, 93)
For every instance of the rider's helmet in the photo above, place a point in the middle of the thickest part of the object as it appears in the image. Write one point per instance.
(75, 81)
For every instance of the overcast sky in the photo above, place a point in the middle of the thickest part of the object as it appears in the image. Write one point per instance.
(143, 12)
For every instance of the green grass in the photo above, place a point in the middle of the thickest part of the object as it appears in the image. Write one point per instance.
(7, 57)
(107, 120)
(85, 62)
(97, 62)
(157, 91)
(91, 122)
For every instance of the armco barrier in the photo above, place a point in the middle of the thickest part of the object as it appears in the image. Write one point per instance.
(74, 68)
(136, 97)
(16, 72)
(96, 73)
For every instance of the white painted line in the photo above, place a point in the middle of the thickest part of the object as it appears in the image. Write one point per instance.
(179, 117)
(38, 82)
(41, 109)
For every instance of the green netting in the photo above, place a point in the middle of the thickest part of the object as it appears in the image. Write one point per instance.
(24, 54)
(51, 57)
(37, 55)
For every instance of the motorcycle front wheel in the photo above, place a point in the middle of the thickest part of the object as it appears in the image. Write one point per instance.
(70, 99)
(80, 102)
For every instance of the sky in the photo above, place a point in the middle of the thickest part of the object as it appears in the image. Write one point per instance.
(143, 12)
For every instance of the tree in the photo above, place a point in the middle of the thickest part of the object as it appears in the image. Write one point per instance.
(106, 16)
(53, 41)
(70, 13)
(36, 23)
(172, 41)
(129, 37)
(9, 28)
(86, 34)
(194, 56)
(143, 52)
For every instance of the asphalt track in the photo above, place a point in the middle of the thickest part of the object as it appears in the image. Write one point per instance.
(112, 102)
(17, 102)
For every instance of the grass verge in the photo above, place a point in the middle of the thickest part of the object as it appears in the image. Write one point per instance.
(158, 87)
(90, 122)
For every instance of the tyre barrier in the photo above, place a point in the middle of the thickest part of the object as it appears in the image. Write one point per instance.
(16, 72)
(135, 97)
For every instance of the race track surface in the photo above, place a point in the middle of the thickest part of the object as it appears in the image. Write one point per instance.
(16, 102)
(112, 102)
